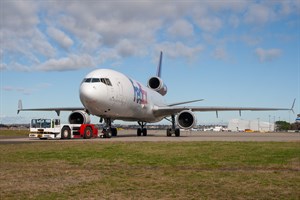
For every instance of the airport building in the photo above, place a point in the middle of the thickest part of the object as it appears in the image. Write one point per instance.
(254, 125)
(297, 119)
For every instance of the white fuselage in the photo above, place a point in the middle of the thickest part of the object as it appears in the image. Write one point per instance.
(110, 94)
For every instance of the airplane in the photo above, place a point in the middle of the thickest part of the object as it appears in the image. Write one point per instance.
(112, 95)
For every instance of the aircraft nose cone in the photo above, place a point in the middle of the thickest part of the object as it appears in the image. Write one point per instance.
(87, 94)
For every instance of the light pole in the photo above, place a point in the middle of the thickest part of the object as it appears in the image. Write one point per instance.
(274, 122)
(269, 123)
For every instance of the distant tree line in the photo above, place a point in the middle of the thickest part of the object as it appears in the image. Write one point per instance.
(3, 126)
(284, 126)
(9, 126)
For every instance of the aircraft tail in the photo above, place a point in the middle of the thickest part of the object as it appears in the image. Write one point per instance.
(158, 74)
(155, 83)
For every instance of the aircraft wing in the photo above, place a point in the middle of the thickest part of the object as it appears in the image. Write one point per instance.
(185, 102)
(57, 110)
(170, 110)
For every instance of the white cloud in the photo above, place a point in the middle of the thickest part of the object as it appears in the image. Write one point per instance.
(126, 48)
(8, 88)
(18, 15)
(259, 14)
(20, 37)
(19, 67)
(267, 54)
(179, 49)
(288, 7)
(234, 21)
(181, 28)
(60, 37)
(251, 40)
(111, 30)
(26, 91)
(210, 24)
(3, 66)
(72, 62)
(220, 54)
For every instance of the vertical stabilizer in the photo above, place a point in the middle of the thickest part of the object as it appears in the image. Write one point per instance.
(155, 83)
(158, 74)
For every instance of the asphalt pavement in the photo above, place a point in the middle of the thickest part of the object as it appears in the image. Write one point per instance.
(186, 136)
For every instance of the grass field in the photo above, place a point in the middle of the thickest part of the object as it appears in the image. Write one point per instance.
(148, 170)
(4, 133)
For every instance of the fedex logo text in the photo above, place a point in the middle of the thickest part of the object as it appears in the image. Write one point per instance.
(140, 95)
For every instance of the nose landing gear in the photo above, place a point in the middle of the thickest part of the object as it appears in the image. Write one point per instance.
(108, 130)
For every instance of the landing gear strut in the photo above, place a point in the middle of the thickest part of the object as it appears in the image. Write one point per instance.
(173, 130)
(142, 130)
(108, 130)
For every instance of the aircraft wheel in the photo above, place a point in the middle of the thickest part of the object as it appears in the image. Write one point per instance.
(65, 133)
(177, 132)
(144, 130)
(106, 133)
(169, 133)
(87, 133)
(139, 132)
(114, 132)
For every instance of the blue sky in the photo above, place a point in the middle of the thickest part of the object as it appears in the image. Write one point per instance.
(231, 53)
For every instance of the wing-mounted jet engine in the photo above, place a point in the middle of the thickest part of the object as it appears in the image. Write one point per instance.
(79, 117)
(186, 119)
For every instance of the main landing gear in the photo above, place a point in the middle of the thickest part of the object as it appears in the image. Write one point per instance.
(173, 130)
(108, 130)
(142, 131)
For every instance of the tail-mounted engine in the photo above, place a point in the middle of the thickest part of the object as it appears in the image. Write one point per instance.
(79, 117)
(186, 119)
(156, 84)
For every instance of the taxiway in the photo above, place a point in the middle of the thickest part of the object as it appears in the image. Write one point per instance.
(186, 136)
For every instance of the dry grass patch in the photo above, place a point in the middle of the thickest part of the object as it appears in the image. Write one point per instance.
(195, 170)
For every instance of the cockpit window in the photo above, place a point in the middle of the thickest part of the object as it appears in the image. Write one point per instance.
(95, 80)
(106, 81)
(87, 80)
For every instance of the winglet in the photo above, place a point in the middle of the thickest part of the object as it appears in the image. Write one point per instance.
(292, 108)
(158, 74)
(20, 106)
